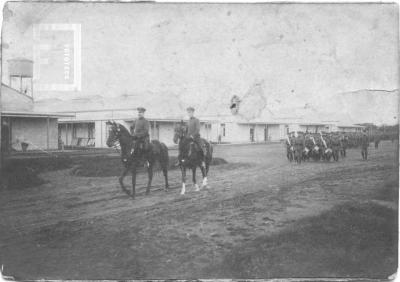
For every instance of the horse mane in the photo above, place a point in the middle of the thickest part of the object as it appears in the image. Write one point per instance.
(124, 130)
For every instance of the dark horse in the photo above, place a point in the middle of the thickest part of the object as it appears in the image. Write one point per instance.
(191, 156)
(132, 155)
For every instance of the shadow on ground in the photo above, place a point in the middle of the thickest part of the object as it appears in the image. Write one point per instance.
(25, 173)
(350, 240)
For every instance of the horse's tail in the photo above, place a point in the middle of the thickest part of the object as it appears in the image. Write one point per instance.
(161, 156)
(164, 157)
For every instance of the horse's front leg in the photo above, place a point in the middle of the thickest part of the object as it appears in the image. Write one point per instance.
(183, 170)
(150, 173)
(196, 187)
(165, 172)
(133, 180)
(204, 174)
(121, 179)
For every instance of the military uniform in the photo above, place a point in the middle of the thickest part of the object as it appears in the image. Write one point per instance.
(193, 131)
(298, 145)
(193, 127)
(289, 147)
(140, 129)
(364, 140)
(344, 143)
(377, 139)
(309, 143)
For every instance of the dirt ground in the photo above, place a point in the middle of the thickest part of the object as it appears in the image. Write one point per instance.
(261, 217)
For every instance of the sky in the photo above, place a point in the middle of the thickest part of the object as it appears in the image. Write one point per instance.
(206, 53)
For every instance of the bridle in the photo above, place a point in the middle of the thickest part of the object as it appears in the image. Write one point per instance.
(116, 131)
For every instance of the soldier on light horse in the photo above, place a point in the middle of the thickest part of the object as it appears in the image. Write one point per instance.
(193, 151)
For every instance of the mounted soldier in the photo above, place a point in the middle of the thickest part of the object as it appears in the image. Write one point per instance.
(326, 149)
(308, 146)
(193, 132)
(364, 141)
(344, 143)
(140, 133)
(193, 150)
(298, 144)
(289, 147)
(335, 144)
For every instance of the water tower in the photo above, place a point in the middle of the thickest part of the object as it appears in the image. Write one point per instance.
(20, 72)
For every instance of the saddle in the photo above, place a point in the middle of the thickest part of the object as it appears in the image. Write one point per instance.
(139, 143)
(198, 146)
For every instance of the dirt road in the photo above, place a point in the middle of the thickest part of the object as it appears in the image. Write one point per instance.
(87, 228)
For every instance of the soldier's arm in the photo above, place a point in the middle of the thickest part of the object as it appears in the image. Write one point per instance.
(133, 125)
(147, 126)
(197, 126)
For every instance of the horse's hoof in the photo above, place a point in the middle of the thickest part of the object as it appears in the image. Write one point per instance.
(197, 189)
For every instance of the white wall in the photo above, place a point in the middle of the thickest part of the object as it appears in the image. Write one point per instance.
(166, 133)
(274, 131)
(236, 133)
(311, 128)
(259, 133)
(349, 129)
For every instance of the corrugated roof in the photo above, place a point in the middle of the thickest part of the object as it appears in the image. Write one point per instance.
(32, 114)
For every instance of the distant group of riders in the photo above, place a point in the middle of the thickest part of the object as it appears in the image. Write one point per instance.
(326, 146)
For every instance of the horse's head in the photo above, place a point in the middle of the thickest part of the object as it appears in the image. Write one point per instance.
(118, 133)
(179, 132)
(114, 134)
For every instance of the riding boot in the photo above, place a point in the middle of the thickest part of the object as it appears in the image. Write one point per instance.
(178, 160)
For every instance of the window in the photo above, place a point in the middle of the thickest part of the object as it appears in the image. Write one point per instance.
(223, 129)
(252, 134)
(266, 133)
(108, 127)
(73, 131)
(91, 128)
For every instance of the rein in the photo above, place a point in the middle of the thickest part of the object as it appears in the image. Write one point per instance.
(116, 145)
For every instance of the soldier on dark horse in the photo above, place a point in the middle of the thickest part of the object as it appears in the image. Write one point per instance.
(308, 146)
(326, 147)
(335, 145)
(344, 143)
(136, 149)
(140, 131)
(316, 147)
(194, 151)
(364, 141)
(298, 144)
(289, 146)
